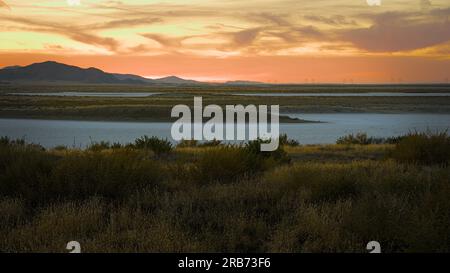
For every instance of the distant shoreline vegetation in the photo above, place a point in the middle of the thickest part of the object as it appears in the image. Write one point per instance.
(158, 119)
(157, 108)
(426, 147)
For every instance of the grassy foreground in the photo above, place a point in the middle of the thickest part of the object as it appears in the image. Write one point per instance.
(151, 197)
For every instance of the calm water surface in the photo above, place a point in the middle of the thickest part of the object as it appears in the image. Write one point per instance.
(50, 133)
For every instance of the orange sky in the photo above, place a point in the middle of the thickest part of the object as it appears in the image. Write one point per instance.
(263, 40)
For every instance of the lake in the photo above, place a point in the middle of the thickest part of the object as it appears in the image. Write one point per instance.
(368, 94)
(51, 133)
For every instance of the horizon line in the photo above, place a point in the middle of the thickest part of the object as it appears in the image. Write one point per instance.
(243, 81)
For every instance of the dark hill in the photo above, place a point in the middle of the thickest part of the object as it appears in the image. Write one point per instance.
(56, 72)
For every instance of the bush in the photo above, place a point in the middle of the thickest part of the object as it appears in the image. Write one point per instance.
(116, 145)
(184, 143)
(423, 148)
(194, 143)
(4, 141)
(211, 143)
(40, 177)
(359, 138)
(158, 146)
(123, 200)
(393, 140)
(60, 148)
(285, 141)
(321, 182)
(99, 146)
(363, 139)
(254, 147)
(23, 171)
(229, 163)
(12, 212)
(222, 164)
(113, 175)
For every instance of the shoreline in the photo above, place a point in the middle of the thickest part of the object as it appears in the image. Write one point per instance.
(283, 119)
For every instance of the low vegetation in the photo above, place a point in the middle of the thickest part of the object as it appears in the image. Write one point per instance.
(158, 108)
(149, 196)
(363, 139)
(423, 148)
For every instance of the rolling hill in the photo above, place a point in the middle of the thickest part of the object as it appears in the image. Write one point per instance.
(54, 72)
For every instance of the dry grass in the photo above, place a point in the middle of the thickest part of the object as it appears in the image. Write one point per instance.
(332, 198)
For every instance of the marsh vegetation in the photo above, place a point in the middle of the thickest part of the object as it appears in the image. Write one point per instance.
(150, 196)
(157, 107)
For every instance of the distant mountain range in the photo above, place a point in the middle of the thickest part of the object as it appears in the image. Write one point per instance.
(245, 83)
(53, 72)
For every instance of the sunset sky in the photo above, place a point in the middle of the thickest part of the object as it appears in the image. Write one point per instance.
(292, 41)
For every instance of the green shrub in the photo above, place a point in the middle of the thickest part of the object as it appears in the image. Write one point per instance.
(50, 228)
(363, 139)
(423, 148)
(321, 182)
(341, 207)
(24, 170)
(194, 143)
(254, 147)
(158, 146)
(4, 140)
(99, 146)
(229, 163)
(187, 143)
(285, 141)
(12, 212)
(359, 138)
(60, 148)
(112, 175)
(40, 177)
(393, 140)
(211, 143)
(116, 145)
(226, 163)
(122, 200)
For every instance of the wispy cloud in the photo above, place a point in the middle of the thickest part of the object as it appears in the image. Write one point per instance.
(227, 29)
(123, 23)
(76, 33)
(334, 20)
(165, 40)
(4, 5)
(401, 31)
